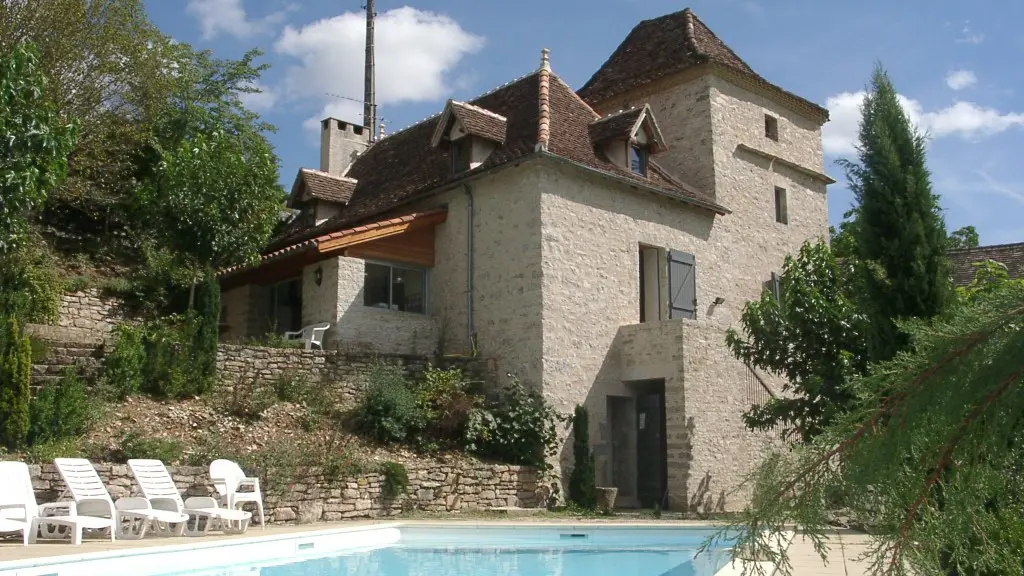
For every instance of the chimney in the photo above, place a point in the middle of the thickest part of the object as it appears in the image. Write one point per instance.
(340, 143)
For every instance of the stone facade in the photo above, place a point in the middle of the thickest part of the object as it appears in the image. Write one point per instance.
(339, 300)
(91, 311)
(313, 498)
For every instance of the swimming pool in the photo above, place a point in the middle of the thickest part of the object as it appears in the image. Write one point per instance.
(416, 550)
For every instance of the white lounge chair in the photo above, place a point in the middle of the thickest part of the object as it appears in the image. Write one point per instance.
(312, 335)
(159, 489)
(227, 478)
(20, 513)
(133, 516)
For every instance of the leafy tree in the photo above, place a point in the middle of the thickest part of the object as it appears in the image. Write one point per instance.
(15, 382)
(900, 232)
(108, 71)
(813, 335)
(34, 143)
(931, 455)
(582, 480)
(966, 237)
(210, 176)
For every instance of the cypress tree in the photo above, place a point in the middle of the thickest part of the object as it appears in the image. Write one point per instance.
(15, 382)
(208, 331)
(582, 480)
(900, 231)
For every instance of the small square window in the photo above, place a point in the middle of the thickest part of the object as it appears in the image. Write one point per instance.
(638, 160)
(781, 211)
(461, 150)
(771, 127)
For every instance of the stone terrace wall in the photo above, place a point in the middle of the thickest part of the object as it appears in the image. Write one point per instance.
(437, 488)
(90, 310)
(346, 371)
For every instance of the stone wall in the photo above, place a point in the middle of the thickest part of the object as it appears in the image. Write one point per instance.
(344, 371)
(90, 310)
(313, 498)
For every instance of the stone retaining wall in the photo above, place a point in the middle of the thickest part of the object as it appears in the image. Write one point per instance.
(344, 371)
(313, 498)
(90, 310)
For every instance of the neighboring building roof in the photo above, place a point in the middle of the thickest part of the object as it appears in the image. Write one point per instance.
(347, 237)
(663, 46)
(1009, 255)
(323, 186)
(404, 165)
(475, 121)
(624, 124)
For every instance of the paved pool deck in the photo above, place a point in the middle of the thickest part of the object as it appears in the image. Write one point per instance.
(844, 546)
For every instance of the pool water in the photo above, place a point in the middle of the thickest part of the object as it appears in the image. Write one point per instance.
(506, 552)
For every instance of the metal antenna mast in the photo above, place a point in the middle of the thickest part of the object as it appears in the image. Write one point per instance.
(369, 97)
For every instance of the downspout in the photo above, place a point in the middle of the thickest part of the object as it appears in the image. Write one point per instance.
(470, 331)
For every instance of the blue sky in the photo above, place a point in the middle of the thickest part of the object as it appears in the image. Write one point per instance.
(956, 68)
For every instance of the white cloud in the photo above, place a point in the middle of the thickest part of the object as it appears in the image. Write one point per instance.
(968, 36)
(960, 79)
(229, 17)
(965, 119)
(259, 101)
(415, 53)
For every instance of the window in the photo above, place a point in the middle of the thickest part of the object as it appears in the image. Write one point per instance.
(395, 288)
(774, 286)
(682, 285)
(285, 314)
(461, 150)
(650, 284)
(771, 127)
(638, 160)
(781, 211)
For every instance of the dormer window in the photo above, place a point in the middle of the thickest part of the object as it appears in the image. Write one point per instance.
(461, 153)
(638, 160)
(471, 134)
(628, 138)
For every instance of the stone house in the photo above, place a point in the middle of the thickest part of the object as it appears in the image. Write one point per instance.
(596, 243)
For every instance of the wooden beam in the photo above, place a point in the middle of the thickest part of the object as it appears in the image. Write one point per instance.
(361, 237)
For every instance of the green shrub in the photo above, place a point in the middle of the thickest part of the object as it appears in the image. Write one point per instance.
(76, 284)
(396, 480)
(582, 480)
(389, 410)
(30, 288)
(61, 410)
(40, 349)
(15, 384)
(45, 452)
(207, 330)
(275, 340)
(446, 402)
(248, 398)
(517, 426)
(122, 366)
(115, 286)
(175, 358)
(292, 386)
(134, 445)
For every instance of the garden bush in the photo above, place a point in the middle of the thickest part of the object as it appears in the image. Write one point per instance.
(446, 400)
(582, 480)
(177, 355)
(123, 364)
(134, 445)
(248, 397)
(517, 426)
(396, 480)
(15, 382)
(389, 410)
(60, 411)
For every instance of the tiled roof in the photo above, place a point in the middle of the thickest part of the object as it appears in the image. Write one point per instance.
(404, 165)
(663, 46)
(479, 121)
(324, 186)
(314, 242)
(1009, 255)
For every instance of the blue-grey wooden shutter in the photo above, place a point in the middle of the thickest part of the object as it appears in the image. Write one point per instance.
(682, 285)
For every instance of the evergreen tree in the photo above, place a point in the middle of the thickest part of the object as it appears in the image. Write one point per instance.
(15, 379)
(900, 232)
(582, 482)
(208, 331)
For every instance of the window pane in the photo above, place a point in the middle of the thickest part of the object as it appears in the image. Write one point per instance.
(637, 161)
(376, 282)
(409, 290)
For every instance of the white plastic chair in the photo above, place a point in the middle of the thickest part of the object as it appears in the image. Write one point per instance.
(132, 516)
(159, 489)
(312, 335)
(227, 478)
(20, 513)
